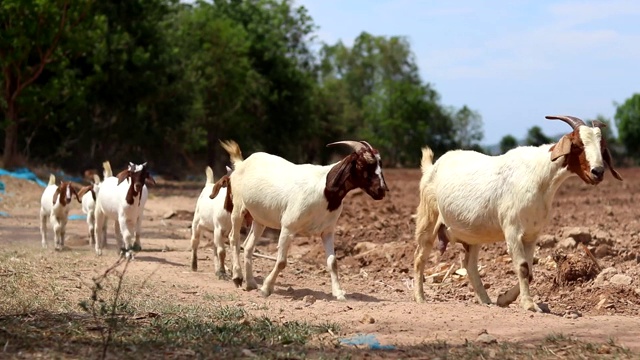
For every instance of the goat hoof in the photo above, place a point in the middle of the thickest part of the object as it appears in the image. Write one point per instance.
(250, 285)
(529, 305)
(419, 299)
(136, 247)
(237, 282)
(264, 293)
(222, 275)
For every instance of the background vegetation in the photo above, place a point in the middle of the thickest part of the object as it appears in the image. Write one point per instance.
(161, 81)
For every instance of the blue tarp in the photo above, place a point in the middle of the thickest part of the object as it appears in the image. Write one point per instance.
(366, 339)
(23, 173)
(77, 217)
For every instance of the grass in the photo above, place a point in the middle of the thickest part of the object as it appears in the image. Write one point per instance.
(50, 308)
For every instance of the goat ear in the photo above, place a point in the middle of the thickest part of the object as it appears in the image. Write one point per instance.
(84, 189)
(96, 179)
(217, 186)
(150, 179)
(563, 147)
(122, 175)
(606, 156)
(75, 192)
(56, 195)
(339, 174)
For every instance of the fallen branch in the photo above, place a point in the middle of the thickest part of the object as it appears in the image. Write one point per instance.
(593, 258)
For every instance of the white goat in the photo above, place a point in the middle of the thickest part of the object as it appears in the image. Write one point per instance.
(477, 199)
(300, 199)
(210, 215)
(122, 198)
(54, 205)
(88, 195)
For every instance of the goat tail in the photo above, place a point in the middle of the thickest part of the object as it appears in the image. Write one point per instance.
(107, 172)
(209, 172)
(234, 151)
(52, 179)
(427, 159)
(96, 179)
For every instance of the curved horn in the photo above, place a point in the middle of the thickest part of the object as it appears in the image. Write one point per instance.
(355, 145)
(571, 120)
(368, 145)
(597, 123)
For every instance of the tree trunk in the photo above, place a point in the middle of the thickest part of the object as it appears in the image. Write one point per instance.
(10, 157)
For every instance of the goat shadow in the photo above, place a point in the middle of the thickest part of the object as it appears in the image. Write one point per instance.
(148, 258)
(319, 295)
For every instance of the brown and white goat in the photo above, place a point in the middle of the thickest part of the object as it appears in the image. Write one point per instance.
(476, 199)
(122, 198)
(54, 205)
(298, 199)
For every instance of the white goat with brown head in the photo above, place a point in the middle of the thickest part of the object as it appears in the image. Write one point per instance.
(54, 206)
(302, 199)
(476, 199)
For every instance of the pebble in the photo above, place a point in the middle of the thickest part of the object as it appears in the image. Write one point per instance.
(621, 279)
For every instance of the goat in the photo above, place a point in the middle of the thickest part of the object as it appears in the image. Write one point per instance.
(301, 199)
(54, 205)
(88, 196)
(122, 198)
(210, 215)
(477, 199)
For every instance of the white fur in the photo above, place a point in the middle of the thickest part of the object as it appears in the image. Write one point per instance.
(210, 215)
(111, 204)
(89, 205)
(484, 199)
(54, 212)
(286, 196)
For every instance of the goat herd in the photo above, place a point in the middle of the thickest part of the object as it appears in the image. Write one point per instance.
(465, 197)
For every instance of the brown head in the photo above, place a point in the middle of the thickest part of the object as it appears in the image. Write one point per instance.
(93, 188)
(64, 192)
(584, 150)
(138, 176)
(360, 169)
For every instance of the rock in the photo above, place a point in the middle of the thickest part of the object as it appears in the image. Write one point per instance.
(621, 279)
(486, 339)
(169, 214)
(547, 241)
(367, 319)
(579, 234)
(602, 237)
(601, 251)
(309, 299)
(605, 275)
(601, 303)
(248, 353)
(567, 243)
(571, 314)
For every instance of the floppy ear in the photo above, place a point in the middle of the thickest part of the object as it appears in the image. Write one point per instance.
(606, 156)
(75, 192)
(562, 148)
(84, 190)
(56, 195)
(224, 182)
(122, 175)
(150, 179)
(339, 174)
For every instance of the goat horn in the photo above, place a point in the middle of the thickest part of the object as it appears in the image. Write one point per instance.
(368, 145)
(571, 120)
(597, 123)
(355, 145)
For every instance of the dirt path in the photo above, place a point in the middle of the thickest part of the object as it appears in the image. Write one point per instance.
(377, 274)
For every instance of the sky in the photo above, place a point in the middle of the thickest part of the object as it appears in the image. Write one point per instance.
(513, 62)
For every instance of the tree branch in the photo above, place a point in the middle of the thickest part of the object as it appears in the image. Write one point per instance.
(47, 55)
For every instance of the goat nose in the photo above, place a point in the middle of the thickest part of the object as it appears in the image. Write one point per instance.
(598, 171)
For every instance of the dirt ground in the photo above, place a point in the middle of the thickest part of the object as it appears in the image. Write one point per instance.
(375, 250)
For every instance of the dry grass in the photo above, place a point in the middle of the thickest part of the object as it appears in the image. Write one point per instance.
(51, 308)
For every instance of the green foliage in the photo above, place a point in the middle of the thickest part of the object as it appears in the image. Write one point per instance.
(627, 120)
(507, 143)
(535, 137)
(162, 81)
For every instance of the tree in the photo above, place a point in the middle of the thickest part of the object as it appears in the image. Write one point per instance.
(507, 143)
(31, 34)
(627, 118)
(467, 127)
(535, 137)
